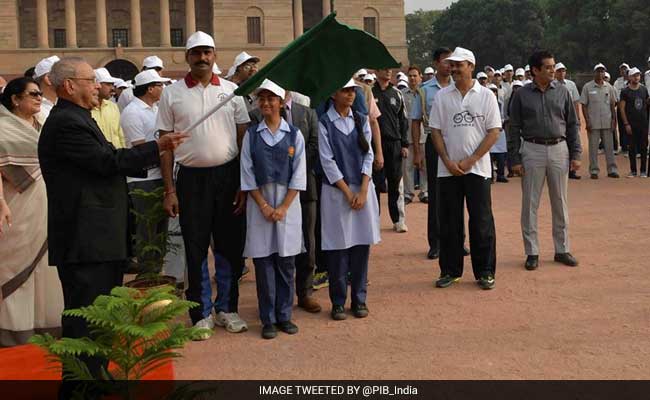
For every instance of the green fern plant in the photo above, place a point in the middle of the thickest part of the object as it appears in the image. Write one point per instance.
(132, 329)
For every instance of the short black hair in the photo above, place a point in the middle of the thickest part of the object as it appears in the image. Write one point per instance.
(536, 60)
(141, 90)
(15, 87)
(439, 52)
(414, 67)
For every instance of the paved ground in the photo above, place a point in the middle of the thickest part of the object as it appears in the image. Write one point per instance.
(589, 322)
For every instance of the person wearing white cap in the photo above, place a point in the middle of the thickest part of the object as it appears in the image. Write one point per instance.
(633, 106)
(41, 76)
(598, 101)
(527, 74)
(466, 122)
(646, 76)
(428, 74)
(273, 172)
(499, 151)
(543, 115)
(411, 95)
(482, 78)
(507, 74)
(349, 210)
(120, 85)
(107, 113)
(244, 66)
(369, 79)
(520, 74)
(619, 84)
(358, 76)
(207, 196)
(150, 62)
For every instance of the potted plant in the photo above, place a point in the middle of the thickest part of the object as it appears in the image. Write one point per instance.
(150, 249)
(134, 330)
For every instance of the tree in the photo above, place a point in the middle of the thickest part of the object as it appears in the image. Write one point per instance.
(419, 36)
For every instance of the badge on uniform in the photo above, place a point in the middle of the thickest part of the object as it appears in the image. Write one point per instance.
(393, 101)
(292, 151)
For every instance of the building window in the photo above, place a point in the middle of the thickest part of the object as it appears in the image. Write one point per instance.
(254, 29)
(120, 37)
(177, 38)
(59, 38)
(370, 25)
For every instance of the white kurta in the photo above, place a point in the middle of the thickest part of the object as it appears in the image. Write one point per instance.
(264, 238)
(341, 226)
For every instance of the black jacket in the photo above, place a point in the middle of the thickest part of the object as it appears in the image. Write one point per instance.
(305, 119)
(393, 123)
(87, 194)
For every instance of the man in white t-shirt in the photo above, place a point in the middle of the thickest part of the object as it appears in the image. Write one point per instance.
(42, 76)
(466, 122)
(207, 195)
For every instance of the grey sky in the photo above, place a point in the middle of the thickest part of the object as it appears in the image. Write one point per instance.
(412, 5)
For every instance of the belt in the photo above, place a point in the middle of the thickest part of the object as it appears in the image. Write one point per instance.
(546, 142)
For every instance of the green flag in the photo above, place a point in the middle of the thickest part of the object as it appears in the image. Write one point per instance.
(322, 60)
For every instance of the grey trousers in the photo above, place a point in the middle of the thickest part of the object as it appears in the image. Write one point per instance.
(407, 175)
(595, 136)
(540, 163)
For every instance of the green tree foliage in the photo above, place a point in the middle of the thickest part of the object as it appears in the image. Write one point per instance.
(419, 36)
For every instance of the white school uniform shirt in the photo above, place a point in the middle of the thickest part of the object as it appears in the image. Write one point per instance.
(341, 226)
(264, 238)
(214, 141)
(138, 122)
(125, 98)
(464, 123)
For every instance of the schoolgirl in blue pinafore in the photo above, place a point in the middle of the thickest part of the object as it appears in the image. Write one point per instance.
(347, 233)
(273, 163)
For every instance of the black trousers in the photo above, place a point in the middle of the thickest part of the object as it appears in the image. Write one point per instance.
(638, 144)
(433, 225)
(392, 172)
(82, 284)
(500, 159)
(454, 192)
(205, 197)
(306, 261)
(622, 134)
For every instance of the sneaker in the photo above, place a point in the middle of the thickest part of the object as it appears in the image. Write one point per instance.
(360, 310)
(338, 313)
(486, 282)
(205, 323)
(446, 281)
(231, 322)
(321, 280)
(613, 175)
(424, 199)
(400, 227)
(287, 327)
(644, 175)
(632, 175)
(269, 331)
(407, 201)
(594, 176)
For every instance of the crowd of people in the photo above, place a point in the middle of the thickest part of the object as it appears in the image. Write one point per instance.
(293, 186)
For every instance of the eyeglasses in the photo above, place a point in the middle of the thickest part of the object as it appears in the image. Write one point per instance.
(92, 80)
(35, 94)
(249, 66)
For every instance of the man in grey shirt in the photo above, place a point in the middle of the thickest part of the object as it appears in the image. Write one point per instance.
(542, 113)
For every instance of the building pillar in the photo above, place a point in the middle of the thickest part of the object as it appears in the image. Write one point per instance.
(190, 18)
(297, 18)
(41, 24)
(327, 8)
(70, 23)
(136, 24)
(165, 34)
(102, 40)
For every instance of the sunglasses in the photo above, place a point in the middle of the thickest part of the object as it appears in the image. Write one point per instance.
(35, 94)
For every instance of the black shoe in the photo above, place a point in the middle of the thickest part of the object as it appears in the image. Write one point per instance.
(433, 254)
(573, 175)
(269, 332)
(407, 201)
(287, 327)
(613, 175)
(566, 259)
(511, 175)
(360, 310)
(532, 262)
(424, 199)
(338, 313)
(502, 179)
(486, 282)
(594, 176)
(446, 281)
(466, 251)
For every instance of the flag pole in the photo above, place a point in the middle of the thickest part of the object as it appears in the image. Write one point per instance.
(210, 112)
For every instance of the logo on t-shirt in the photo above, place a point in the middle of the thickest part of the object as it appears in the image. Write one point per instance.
(638, 103)
(465, 118)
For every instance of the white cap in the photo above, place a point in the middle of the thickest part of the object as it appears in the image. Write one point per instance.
(402, 83)
(624, 65)
(492, 86)
(481, 75)
(527, 68)
(461, 54)
(361, 72)
(488, 68)
(44, 66)
(400, 73)
(517, 83)
(508, 67)
(103, 76)
(198, 39)
(559, 66)
(351, 83)
(428, 70)
(152, 62)
(149, 76)
(271, 87)
(369, 77)
(121, 84)
(633, 71)
(520, 72)
(498, 72)
(242, 58)
(215, 69)
(607, 75)
(600, 65)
